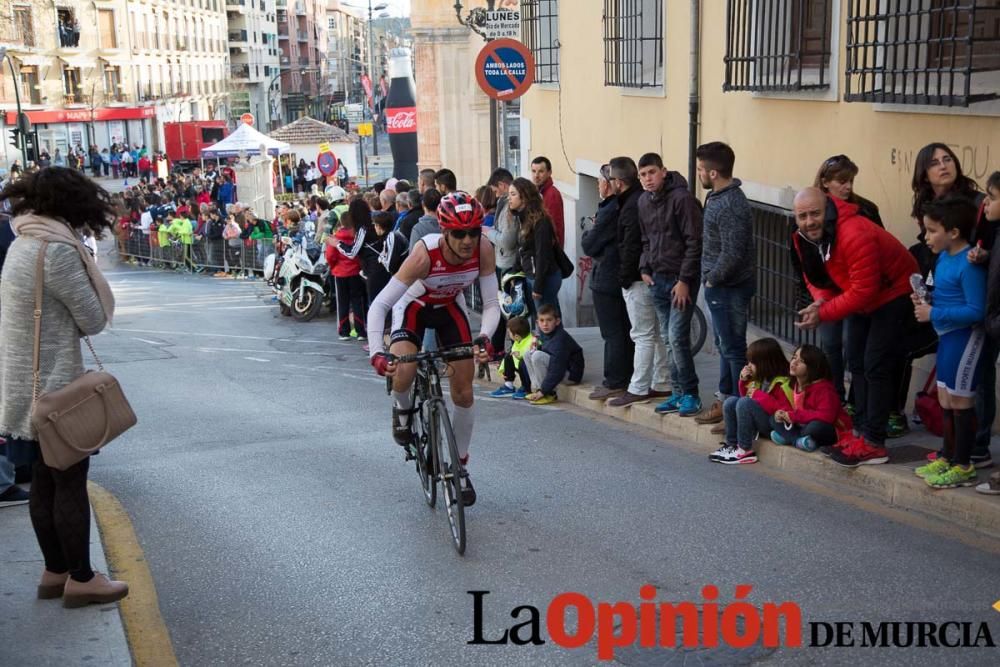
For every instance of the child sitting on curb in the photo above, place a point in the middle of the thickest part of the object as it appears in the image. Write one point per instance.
(514, 361)
(817, 415)
(556, 357)
(764, 389)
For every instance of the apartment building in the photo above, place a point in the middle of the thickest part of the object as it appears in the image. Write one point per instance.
(346, 53)
(101, 71)
(302, 39)
(787, 83)
(254, 58)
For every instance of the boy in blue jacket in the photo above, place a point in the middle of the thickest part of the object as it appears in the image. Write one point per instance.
(558, 357)
(957, 313)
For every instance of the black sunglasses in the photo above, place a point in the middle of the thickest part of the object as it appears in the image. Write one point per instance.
(460, 234)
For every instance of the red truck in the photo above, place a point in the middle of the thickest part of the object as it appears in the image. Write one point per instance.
(186, 140)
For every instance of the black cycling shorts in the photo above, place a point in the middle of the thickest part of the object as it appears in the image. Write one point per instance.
(448, 321)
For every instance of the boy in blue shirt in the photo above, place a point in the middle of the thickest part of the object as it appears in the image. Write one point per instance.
(957, 316)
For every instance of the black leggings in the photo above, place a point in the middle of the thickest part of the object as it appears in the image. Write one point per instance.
(60, 515)
(351, 297)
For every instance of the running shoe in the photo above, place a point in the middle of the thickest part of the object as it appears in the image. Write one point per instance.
(953, 478)
(342, 337)
(859, 452)
(519, 394)
(689, 405)
(738, 456)
(898, 426)
(932, 469)
(354, 334)
(778, 439)
(672, 404)
(805, 443)
(401, 433)
(546, 399)
(724, 451)
(501, 392)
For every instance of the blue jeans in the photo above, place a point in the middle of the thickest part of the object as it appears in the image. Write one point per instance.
(745, 420)
(730, 308)
(548, 288)
(6, 472)
(675, 329)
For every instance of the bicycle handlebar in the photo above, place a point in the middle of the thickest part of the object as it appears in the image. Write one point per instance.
(457, 353)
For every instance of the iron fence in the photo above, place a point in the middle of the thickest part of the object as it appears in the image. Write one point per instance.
(780, 45)
(936, 52)
(540, 28)
(633, 43)
(780, 290)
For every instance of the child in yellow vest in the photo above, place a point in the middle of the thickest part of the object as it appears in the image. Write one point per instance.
(519, 331)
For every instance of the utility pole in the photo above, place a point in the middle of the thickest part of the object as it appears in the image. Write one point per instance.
(22, 118)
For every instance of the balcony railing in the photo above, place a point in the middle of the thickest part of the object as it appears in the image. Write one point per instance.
(239, 71)
(300, 8)
(237, 35)
(303, 36)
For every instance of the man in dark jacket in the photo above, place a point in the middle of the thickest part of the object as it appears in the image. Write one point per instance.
(728, 266)
(649, 374)
(670, 219)
(601, 244)
(412, 215)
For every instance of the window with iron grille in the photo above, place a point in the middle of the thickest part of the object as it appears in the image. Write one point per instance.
(935, 52)
(780, 290)
(633, 43)
(540, 28)
(778, 45)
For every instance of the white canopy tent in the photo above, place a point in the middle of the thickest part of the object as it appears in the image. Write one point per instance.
(244, 141)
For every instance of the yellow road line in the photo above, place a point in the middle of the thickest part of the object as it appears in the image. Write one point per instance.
(147, 634)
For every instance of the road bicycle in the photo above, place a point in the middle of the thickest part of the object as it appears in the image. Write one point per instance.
(433, 447)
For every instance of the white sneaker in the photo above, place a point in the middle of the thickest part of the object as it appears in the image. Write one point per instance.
(721, 454)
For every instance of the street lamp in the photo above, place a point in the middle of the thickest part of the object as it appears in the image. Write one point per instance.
(22, 118)
(302, 72)
(371, 64)
(475, 18)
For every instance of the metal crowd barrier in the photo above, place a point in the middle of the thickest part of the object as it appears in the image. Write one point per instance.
(238, 256)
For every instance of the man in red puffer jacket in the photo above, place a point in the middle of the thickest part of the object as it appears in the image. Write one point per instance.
(857, 271)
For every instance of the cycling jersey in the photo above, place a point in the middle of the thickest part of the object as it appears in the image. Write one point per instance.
(445, 281)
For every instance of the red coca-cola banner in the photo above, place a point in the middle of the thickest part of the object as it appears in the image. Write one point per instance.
(402, 120)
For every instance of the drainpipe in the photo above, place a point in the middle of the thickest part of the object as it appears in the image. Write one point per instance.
(693, 95)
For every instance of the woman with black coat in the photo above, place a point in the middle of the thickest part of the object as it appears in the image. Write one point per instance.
(536, 243)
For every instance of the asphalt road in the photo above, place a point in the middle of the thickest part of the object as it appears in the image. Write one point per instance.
(283, 528)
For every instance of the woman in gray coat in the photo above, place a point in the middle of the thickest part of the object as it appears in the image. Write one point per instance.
(58, 206)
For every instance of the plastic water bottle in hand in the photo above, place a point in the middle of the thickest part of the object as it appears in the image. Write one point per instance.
(919, 286)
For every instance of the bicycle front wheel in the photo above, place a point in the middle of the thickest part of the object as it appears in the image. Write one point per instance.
(449, 473)
(426, 435)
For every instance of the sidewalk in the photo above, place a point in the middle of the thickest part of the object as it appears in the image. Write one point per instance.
(37, 632)
(892, 484)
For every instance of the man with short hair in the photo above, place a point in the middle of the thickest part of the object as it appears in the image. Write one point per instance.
(412, 216)
(445, 181)
(425, 180)
(503, 236)
(428, 222)
(728, 266)
(649, 375)
(388, 199)
(541, 175)
(857, 271)
(670, 219)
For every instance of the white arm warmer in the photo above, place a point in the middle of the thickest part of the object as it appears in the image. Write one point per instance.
(491, 307)
(381, 307)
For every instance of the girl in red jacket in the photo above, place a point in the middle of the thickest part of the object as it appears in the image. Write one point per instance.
(817, 415)
(764, 390)
(346, 271)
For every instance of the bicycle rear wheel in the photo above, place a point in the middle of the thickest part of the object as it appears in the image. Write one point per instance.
(449, 471)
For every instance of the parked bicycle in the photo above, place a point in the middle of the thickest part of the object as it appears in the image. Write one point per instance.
(433, 447)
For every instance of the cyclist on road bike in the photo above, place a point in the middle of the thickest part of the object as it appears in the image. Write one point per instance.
(424, 294)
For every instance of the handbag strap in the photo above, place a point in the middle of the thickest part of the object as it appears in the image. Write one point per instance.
(36, 349)
(931, 380)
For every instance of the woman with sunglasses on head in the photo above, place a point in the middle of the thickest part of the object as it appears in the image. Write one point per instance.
(937, 173)
(836, 178)
(536, 243)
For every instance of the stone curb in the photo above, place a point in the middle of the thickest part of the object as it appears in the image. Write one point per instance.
(890, 485)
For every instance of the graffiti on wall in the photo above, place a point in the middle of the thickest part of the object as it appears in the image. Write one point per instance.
(977, 162)
(584, 266)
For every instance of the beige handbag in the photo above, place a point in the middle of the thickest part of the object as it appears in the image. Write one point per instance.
(88, 413)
